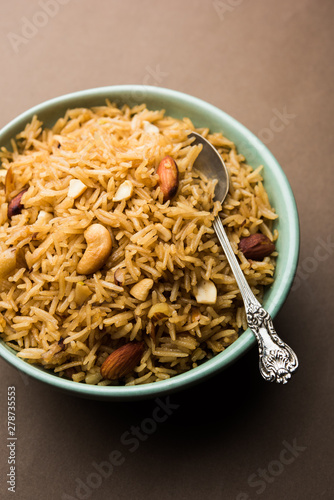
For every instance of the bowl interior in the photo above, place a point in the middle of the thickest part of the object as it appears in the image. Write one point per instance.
(277, 186)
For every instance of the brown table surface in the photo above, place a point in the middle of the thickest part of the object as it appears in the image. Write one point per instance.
(235, 436)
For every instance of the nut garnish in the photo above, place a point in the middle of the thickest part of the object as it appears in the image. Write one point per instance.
(159, 311)
(15, 206)
(82, 292)
(149, 128)
(141, 289)
(7, 261)
(195, 314)
(168, 177)
(99, 245)
(43, 218)
(119, 276)
(206, 292)
(3, 175)
(122, 361)
(124, 192)
(76, 188)
(256, 247)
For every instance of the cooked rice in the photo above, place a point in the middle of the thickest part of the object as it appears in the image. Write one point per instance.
(173, 243)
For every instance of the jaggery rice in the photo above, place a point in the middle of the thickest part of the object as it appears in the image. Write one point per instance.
(69, 322)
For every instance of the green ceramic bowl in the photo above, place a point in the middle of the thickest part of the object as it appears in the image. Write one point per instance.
(202, 114)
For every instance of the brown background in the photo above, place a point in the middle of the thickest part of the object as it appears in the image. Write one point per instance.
(254, 59)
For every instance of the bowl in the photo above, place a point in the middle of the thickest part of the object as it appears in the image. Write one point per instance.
(202, 114)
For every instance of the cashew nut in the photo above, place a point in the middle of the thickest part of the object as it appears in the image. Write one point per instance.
(7, 261)
(160, 311)
(141, 289)
(149, 128)
(15, 206)
(43, 218)
(76, 188)
(82, 292)
(124, 192)
(206, 292)
(99, 245)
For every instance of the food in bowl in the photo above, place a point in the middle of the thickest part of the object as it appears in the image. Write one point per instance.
(110, 270)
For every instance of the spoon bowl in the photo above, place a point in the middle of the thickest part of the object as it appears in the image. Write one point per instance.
(211, 163)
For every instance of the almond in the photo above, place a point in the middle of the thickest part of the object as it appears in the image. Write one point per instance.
(15, 206)
(195, 314)
(168, 177)
(122, 361)
(256, 247)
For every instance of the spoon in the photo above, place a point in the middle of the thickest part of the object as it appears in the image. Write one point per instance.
(276, 359)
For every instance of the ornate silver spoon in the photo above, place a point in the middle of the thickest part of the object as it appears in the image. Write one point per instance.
(276, 359)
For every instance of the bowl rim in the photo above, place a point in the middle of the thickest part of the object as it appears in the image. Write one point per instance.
(247, 339)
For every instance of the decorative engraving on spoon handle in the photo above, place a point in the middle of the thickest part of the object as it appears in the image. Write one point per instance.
(276, 359)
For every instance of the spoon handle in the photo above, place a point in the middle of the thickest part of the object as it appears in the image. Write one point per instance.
(276, 359)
